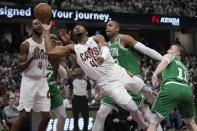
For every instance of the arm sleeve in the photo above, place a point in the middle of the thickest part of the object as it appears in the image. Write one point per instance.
(105, 53)
(148, 51)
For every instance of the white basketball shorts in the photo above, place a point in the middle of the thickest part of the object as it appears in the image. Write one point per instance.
(34, 94)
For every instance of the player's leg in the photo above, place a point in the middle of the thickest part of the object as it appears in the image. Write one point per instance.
(190, 124)
(147, 114)
(76, 109)
(57, 107)
(61, 118)
(101, 115)
(166, 101)
(187, 108)
(123, 99)
(85, 113)
(136, 85)
(154, 122)
(27, 94)
(19, 121)
(45, 117)
(42, 103)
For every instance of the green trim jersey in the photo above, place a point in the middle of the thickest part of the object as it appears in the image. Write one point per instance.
(56, 97)
(175, 92)
(126, 58)
(51, 78)
(176, 71)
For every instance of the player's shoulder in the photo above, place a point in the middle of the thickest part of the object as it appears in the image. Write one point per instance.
(169, 56)
(124, 36)
(25, 45)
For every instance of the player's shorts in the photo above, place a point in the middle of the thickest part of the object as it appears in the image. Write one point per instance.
(113, 85)
(137, 98)
(34, 94)
(172, 95)
(56, 97)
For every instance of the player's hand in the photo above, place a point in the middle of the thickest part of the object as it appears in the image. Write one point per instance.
(154, 80)
(46, 27)
(36, 52)
(65, 37)
(4, 125)
(70, 102)
(116, 120)
(90, 103)
(99, 60)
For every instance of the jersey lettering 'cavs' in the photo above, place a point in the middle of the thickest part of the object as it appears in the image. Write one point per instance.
(86, 59)
(90, 53)
(38, 66)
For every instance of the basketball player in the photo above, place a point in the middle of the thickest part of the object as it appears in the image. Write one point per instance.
(55, 66)
(122, 47)
(34, 91)
(93, 56)
(174, 91)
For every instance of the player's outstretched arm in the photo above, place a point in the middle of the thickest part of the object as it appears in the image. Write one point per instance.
(58, 50)
(130, 42)
(105, 53)
(22, 60)
(167, 59)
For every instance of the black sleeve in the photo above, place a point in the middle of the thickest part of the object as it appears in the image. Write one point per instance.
(88, 85)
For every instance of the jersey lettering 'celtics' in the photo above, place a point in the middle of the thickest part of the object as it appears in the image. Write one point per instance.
(176, 71)
(125, 57)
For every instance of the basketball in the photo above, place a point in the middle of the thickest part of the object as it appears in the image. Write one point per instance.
(43, 12)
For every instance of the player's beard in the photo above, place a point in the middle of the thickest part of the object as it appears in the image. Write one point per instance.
(37, 32)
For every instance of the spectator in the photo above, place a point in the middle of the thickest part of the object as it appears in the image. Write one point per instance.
(79, 89)
(11, 112)
(120, 121)
(175, 118)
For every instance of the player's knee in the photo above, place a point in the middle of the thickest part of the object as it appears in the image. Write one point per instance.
(62, 117)
(155, 119)
(100, 114)
(131, 106)
(189, 121)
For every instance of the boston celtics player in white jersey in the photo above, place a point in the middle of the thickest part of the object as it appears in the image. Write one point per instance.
(122, 48)
(55, 66)
(93, 56)
(174, 91)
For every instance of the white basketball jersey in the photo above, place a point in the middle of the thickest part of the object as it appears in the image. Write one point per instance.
(38, 66)
(85, 58)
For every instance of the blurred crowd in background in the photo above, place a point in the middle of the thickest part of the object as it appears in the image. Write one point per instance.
(159, 7)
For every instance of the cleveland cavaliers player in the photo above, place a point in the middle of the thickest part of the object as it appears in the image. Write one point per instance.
(93, 56)
(34, 91)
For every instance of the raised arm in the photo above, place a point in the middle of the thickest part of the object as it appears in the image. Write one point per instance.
(105, 53)
(130, 42)
(167, 59)
(23, 63)
(55, 51)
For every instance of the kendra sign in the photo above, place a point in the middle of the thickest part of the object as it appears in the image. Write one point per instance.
(166, 20)
(10, 12)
